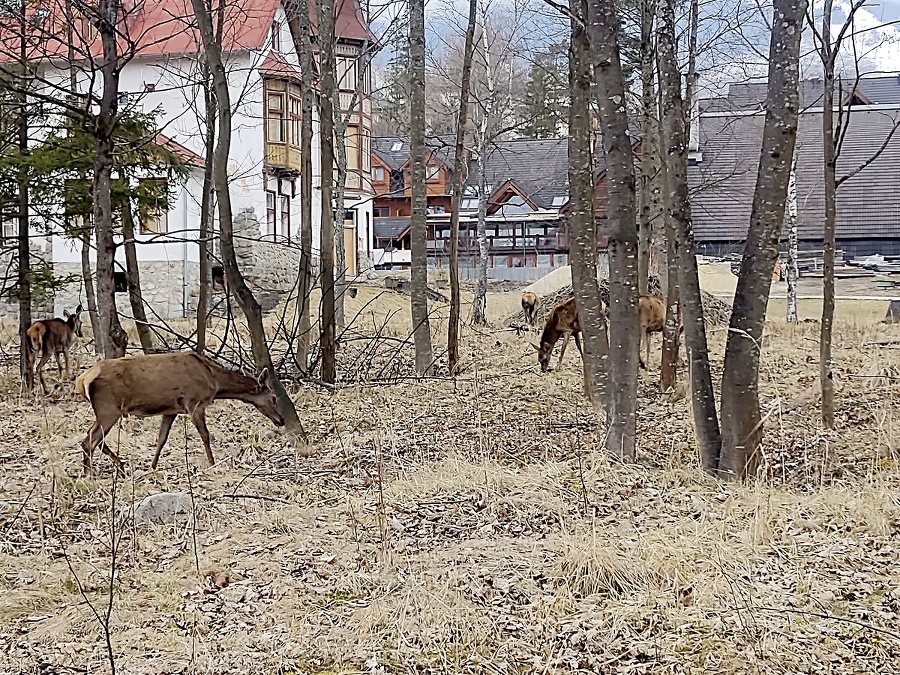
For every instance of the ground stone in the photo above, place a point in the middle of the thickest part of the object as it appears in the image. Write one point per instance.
(164, 508)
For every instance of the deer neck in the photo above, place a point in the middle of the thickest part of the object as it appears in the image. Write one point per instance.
(234, 385)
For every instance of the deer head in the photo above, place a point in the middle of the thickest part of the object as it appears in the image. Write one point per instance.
(74, 320)
(263, 397)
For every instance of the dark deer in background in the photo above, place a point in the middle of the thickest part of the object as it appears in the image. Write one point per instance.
(562, 321)
(530, 304)
(652, 312)
(178, 383)
(54, 337)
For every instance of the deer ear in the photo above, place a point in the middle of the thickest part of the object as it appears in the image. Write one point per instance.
(66, 313)
(78, 310)
(535, 346)
(263, 379)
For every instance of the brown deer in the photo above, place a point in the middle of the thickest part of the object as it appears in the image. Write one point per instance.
(177, 383)
(652, 312)
(54, 336)
(530, 303)
(563, 320)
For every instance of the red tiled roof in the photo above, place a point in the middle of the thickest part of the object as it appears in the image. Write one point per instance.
(161, 28)
(275, 65)
(185, 155)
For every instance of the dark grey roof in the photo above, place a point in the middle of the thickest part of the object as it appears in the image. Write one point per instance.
(442, 147)
(389, 228)
(539, 167)
(723, 182)
(752, 95)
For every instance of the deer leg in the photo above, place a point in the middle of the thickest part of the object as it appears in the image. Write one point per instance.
(198, 417)
(578, 344)
(562, 352)
(645, 344)
(45, 356)
(66, 355)
(97, 435)
(58, 365)
(164, 428)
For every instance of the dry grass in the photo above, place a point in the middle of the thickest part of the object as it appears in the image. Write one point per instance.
(471, 526)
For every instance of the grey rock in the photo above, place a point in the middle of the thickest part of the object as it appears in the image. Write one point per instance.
(163, 508)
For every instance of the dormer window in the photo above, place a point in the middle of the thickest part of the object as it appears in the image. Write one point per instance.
(276, 36)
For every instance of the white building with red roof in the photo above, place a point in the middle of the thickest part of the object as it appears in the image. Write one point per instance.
(160, 73)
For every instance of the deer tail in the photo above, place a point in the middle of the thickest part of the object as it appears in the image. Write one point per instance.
(37, 333)
(83, 383)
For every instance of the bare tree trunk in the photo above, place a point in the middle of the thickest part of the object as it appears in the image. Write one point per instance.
(327, 339)
(829, 151)
(671, 334)
(418, 227)
(459, 176)
(88, 281)
(668, 371)
(26, 355)
(582, 218)
(233, 276)
(674, 149)
(649, 144)
(479, 304)
(792, 253)
(206, 209)
(133, 280)
(113, 338)
(741, 419)
(624, 339)
(298, 20)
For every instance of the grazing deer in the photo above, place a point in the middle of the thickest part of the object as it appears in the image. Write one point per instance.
(530, 303)
(563, 320)
(652, 312)
(54, 336)
(178, 383)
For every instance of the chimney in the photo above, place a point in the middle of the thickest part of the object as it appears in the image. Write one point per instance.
(694, 117)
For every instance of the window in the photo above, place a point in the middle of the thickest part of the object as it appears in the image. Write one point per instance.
(276, 36)
(154, 212)
(432, 171)
(378, 174)
(270, 214)
(346, 73)
(366, 150)
(397, 147)
(10, 228)
(351, 141)
(276, 127)
(296, 108)
(381, 212)
(469, 205)
(285, 216)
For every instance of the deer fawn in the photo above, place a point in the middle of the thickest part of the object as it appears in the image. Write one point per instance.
(652, 311)
(54, 336)
(178, 383)
(530, 303)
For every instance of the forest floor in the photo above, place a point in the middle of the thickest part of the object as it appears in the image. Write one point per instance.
(467, 526)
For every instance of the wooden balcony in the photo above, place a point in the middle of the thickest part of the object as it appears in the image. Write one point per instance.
(283, 156)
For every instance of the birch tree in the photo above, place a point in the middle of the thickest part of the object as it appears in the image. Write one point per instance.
(624, 338)
(418, 231)
(741, 417)
(792, 271)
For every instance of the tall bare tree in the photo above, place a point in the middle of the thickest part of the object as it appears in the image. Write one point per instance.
(418, 231)
(327, 336)
(674, 150)
(460, 169)
(298, 22)
(650, 157)
(792, 271)
(234, 278)
(624, 339)
(133, 281)
(741, 418)
(112, 337)
(582, 218)
(210, 115)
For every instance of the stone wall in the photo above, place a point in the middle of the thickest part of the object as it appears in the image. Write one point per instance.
(161, 287)
(267, 265)
(9, 305)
